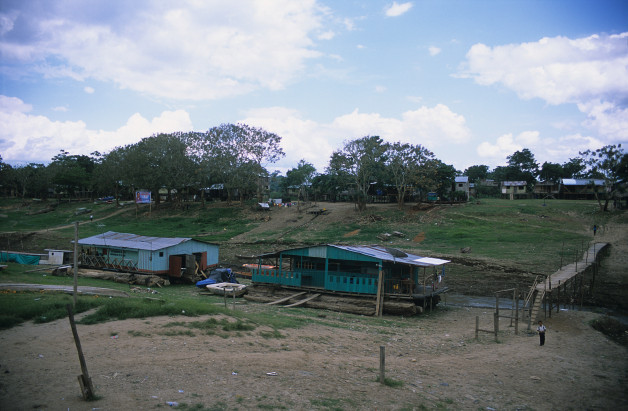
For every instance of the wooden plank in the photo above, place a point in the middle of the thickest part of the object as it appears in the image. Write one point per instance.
(302, 301)
(281, 300)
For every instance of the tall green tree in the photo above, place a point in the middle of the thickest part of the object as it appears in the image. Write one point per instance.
(7, 180)
(405, 162)
(551, 172)
(526, 164)
(607, 163)
(302, 177)
(574, 168)
(109, 174)
(159, 161)
(477, 173)
(239, 154)
(71, 173)
(32, 179)
(362, 161)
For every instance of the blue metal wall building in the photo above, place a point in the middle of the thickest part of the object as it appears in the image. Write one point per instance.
(145, 254)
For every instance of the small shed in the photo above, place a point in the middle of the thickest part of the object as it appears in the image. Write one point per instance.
(150, 255)
(58, 257)
(353, 269)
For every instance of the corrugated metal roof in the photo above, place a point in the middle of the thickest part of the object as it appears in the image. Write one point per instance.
(379, 252)
(392, 254)
(582, 182)
(462, 179)
(513, 183)
(132, 241)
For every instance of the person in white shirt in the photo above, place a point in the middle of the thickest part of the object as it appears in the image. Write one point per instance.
(541, 329)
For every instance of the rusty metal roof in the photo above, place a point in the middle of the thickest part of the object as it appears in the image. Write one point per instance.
(132, 241)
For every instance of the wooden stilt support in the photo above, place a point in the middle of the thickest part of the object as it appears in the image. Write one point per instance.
(85, 382)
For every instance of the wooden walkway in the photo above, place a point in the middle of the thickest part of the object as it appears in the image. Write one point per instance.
(564, 276)
(569, 271)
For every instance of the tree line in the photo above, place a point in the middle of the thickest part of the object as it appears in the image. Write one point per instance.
(237, 157)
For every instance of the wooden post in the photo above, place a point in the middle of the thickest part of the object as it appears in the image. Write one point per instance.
(477, 326)
(76, 229)
(517, 318)
(380, 292)
(382, 364)
(496, 324)
(594, 270)
(84, 381)
(558, 297)
(514, 294)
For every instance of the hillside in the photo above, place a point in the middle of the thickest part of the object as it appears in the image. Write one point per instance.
(508, 243)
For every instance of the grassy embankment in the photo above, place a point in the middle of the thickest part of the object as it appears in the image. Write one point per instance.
(530, 234)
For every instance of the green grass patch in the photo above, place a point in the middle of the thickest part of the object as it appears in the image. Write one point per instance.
(124, 308)
(18, 307)
(389, 382)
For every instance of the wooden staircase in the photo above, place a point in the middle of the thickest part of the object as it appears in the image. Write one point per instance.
(538, 300)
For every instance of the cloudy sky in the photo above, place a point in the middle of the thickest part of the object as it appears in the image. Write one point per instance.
(473, 81)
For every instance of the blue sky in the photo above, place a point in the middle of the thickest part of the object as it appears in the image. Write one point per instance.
(472, 81)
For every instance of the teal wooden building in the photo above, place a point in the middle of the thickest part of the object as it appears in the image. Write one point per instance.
(353, 269)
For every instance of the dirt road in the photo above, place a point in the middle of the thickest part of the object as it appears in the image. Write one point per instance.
(331, 364)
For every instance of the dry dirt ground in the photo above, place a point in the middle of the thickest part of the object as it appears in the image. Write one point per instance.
(332, 364)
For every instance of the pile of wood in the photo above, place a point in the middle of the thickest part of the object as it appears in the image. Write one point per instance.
(126, 278)
(329, 301)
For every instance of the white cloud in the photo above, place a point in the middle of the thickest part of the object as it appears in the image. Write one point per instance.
(552, 149)
(591, 72)
(504, 146)
(434, 50)
(396, 9)
(607, 119)
(380, 89)
(558, 70)
(326, 35)
(182, 50)
(30, 138)
(89, 90)
(11, 105)
(315, 142)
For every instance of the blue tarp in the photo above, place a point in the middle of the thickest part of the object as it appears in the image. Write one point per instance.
(19, 258)
(203, 283)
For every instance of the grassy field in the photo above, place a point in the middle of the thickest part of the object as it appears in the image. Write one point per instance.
(532, 236)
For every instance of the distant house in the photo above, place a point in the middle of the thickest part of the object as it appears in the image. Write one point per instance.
(513, 189)
(149, 255)
(544, 189)
(580, 189)
(461, 183)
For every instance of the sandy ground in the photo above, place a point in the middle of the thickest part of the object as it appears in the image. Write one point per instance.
(332, 364)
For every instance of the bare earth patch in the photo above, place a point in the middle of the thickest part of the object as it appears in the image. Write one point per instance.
(333, 364)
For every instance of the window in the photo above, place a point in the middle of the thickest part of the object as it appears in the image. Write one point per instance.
(161, 253)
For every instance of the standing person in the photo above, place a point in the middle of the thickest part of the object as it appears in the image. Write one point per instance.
(541, 329)
(594, 229)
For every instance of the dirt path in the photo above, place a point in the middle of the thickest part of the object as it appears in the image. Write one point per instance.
(333, 364)
(82, 290)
